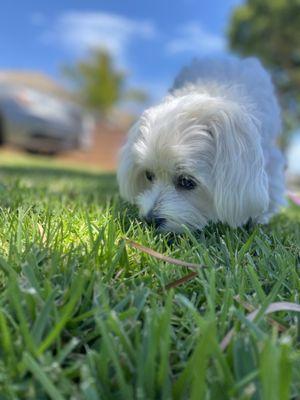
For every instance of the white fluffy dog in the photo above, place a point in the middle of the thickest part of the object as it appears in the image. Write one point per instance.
(208, 151)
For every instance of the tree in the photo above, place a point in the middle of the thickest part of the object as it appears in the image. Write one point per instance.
(270, 30)
(99, 85)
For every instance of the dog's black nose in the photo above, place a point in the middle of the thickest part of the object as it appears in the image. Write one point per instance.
(154, 220)
(159, 222)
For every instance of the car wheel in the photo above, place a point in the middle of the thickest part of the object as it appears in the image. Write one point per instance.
(37, 152)
(42, 145)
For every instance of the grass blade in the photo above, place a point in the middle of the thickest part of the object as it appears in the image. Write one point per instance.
(66, 314)
(40, 375)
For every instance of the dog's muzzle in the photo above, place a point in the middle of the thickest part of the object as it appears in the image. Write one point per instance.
(154, 220)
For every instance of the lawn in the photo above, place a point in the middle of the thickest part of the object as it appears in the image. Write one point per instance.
(86, 315)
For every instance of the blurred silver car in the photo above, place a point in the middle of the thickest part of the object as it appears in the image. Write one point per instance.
(40, 122)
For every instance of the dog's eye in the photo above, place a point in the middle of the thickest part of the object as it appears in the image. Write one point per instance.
(150, 176)
(185, 182)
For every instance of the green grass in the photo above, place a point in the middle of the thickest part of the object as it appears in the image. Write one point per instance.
(85, 316)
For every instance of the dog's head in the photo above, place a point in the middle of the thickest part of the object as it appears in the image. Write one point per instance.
(194, 159)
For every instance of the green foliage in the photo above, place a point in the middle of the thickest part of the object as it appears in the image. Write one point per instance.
(99, 84)
(270, 30)
(84, 316)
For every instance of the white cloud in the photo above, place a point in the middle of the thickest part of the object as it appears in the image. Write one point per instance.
(193, 38)
(78, 32)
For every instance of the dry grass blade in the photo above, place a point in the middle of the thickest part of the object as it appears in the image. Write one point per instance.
(162, 257)
(42, 233)
(249, 307)
(273, 307)
(182, 280)
(119, 273)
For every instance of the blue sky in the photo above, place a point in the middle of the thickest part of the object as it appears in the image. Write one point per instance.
(151, 40)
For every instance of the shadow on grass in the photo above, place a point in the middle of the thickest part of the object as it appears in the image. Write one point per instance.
(51, 172)
(42, 181)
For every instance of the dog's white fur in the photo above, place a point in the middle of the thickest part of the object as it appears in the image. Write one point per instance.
(219, 125)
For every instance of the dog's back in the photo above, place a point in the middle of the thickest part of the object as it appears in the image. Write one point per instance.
(241, 80)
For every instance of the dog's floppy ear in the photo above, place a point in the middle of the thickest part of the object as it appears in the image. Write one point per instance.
(240, 180)
(129, 175)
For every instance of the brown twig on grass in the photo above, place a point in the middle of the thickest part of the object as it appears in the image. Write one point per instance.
(162, 257)
(180, 281)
